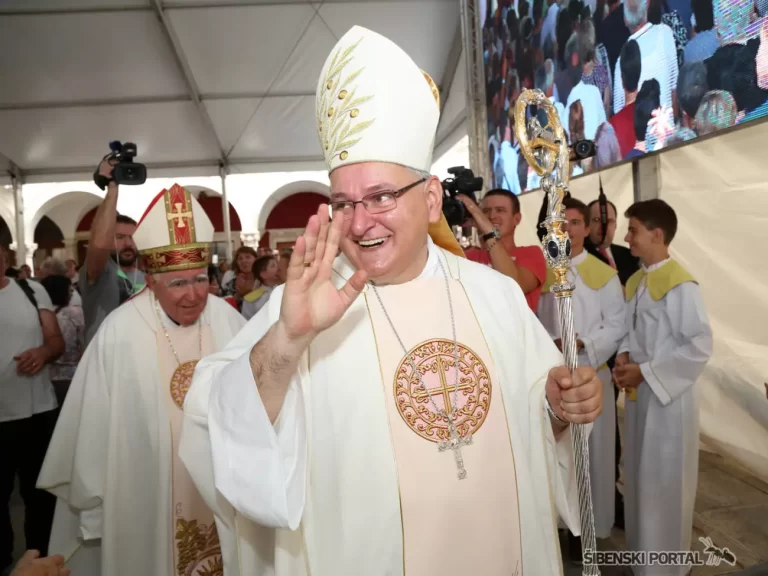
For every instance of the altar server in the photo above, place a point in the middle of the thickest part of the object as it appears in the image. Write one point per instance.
(669, 343)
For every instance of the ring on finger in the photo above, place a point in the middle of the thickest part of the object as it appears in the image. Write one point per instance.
(307, 264)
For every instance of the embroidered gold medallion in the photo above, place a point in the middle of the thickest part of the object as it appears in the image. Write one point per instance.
(199, 551)
(435, 360)
(181, 381)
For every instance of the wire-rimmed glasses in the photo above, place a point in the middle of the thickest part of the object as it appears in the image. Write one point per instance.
(376, 203)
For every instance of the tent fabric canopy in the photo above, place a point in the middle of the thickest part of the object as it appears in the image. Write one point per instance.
(194, 83)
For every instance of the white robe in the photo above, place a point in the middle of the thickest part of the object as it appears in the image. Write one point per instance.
(109, 461)
(599, 321)
(317, 493)
(672, 343)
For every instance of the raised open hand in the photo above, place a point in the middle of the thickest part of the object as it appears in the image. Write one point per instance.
(311, 303)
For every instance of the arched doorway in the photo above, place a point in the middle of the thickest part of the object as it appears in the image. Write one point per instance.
(287, 220)
(6, 239)
(211, 203)
(49, 240)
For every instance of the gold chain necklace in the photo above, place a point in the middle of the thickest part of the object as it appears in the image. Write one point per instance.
(182, 376)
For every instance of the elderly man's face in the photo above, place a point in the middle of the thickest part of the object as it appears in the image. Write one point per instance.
(182, 295)
(390, 246)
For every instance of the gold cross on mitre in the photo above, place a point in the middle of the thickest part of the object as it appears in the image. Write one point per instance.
(178, 215)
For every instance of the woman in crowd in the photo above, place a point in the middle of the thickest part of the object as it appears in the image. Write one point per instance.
(72, 325)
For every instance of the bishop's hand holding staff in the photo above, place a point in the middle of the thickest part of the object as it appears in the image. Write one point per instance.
(351, 427)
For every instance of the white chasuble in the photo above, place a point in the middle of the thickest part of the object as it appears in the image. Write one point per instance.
(341, 485)
(196, 550)
(477, 516)
(112, 461)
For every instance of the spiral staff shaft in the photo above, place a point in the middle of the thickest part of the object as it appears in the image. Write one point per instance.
(546, 151)
(579, 435)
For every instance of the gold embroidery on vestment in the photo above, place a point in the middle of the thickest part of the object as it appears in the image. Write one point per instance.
(199, 550)
(437, 357)
(181, 381)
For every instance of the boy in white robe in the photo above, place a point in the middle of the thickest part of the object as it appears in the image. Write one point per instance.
(126, 505)
(599, 321)
(669, 343)
(413, 424)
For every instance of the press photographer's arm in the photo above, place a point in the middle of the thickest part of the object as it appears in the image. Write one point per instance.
(102, 239)
(501, 261)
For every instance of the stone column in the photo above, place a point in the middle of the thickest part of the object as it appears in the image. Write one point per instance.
(22, 254)
(70, 249)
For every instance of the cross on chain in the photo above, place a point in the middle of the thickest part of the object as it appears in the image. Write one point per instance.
(178, 215)
(455, 442)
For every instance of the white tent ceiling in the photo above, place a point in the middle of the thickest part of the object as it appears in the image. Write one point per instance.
(193, 82)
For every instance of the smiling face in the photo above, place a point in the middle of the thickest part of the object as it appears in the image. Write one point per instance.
(182, 295)
(642, 241)
(390, 246)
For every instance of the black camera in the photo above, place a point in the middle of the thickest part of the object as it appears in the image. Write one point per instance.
(583, 149)
(464, 182)
(126, 171)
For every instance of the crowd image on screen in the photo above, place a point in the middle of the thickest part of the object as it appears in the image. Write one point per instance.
(634, 76)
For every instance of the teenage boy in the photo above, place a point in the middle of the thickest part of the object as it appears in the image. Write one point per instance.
(668, 344)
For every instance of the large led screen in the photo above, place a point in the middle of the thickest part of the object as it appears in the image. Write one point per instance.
(634, 76)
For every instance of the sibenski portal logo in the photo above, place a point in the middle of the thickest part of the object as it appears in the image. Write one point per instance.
(711, 556)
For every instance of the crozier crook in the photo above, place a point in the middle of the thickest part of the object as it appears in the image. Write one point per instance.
(546, 150)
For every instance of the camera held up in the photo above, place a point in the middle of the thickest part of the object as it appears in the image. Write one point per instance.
(464, 182)
(125, 171)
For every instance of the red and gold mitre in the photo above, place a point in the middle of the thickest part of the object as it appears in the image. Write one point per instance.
(175, 233)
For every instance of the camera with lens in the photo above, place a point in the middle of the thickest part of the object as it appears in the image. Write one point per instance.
(125, 171)
(464, 182)
(582, 150)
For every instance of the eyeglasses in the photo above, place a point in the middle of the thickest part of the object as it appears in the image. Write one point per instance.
(375, 203)
(179, 284)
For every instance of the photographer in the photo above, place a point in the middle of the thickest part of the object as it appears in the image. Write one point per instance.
(110, 275)
(496, 222)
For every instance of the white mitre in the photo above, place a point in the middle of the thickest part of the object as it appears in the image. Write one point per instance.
(174, 233)
(374, 104)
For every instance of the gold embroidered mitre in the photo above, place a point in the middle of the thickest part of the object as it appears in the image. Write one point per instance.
(373, 104)
(174, 233)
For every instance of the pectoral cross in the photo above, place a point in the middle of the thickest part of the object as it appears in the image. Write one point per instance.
(455, 442)
(178, 215)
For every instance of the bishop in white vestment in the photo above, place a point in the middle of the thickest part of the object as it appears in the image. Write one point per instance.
(599, 321)
(126, 505)
(668, 344)
(407, 425)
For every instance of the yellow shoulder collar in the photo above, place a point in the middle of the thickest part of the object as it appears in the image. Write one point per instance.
(594, 272)
(255, 295)
(660, 281)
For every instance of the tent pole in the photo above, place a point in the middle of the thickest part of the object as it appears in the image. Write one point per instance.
(225, 211)
(18, 204)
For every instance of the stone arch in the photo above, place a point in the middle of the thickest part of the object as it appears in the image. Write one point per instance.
(9, 218)
(66, 210)
(212, 207)
(6, 234)
(284, 192)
